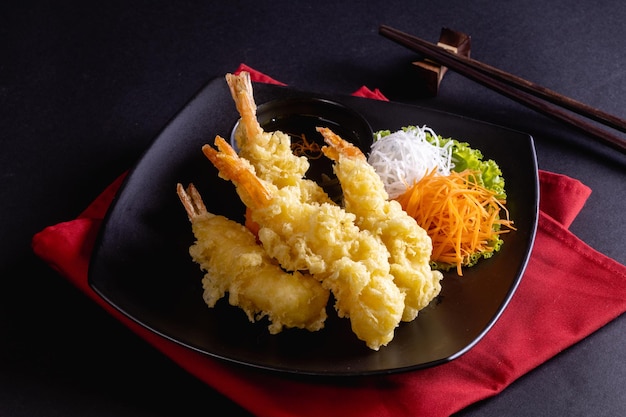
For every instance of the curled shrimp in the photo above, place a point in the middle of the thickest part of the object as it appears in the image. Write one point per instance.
(235, 264)
(409, 245)
(323, 239)
(269, 152)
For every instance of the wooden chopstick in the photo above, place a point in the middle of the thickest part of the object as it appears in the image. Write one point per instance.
(525, 92)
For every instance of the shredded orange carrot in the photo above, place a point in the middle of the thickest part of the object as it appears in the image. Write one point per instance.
(461, 217)
(311, 150)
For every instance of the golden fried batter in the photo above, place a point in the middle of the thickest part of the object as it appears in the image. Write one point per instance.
(235, 264)
(323, 239)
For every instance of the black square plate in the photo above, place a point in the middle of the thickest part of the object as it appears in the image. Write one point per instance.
(141, 263)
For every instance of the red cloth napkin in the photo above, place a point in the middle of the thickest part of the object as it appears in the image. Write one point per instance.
(569, 290)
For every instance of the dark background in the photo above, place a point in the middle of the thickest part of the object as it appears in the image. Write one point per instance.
(86, 86)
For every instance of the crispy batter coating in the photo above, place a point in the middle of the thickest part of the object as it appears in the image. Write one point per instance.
(323, 239)
(409, 245)
(235, 264)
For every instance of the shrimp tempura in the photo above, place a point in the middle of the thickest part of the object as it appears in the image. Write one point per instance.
(323, 239)
(236, 264)
(409, 245)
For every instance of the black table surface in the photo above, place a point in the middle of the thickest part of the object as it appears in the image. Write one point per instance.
(86, 86)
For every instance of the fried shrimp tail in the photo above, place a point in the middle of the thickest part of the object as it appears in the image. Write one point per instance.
(235, 264)
(241, 91)
(252, 190)
(409, 245)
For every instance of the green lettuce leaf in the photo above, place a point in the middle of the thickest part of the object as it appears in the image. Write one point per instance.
(465, 157)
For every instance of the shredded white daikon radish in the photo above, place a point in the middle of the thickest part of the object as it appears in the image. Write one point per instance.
(404, 157)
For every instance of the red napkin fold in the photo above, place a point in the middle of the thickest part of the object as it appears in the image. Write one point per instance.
(569, 290)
